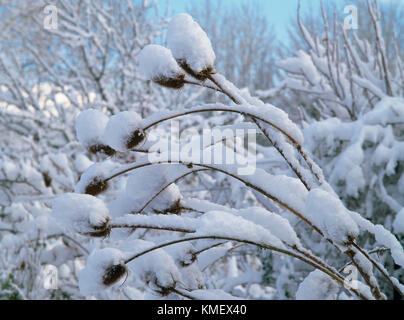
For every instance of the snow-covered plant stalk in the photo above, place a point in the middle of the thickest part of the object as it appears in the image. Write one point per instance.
(44, 83)
(181, 232)
(342, 75)
(350, 98)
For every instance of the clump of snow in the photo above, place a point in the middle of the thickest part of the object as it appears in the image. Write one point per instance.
(144, 183)
(288, 190)
(157, 268)
(122, 129)
(80, 213)
(17, 212)
(122, 205)
(99, 263)
(363, 263)
(317, 286)
(387, 239)
(363, 289)
(302, 63)
(190, 44)
(328, 213)
(224, 224)
(278, 226)
(388, 110)
(9, 170)
(90, 125)
(157, 62)
(398, 223)
(10, 240)
(383, 237)
(81, 163)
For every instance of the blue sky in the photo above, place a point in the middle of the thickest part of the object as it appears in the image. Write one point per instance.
(278, 12)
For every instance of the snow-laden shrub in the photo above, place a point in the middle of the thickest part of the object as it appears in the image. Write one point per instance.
(175, 245)
(39, 103)
(352, 110)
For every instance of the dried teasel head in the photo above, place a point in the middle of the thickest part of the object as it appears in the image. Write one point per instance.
(96, 186)
(124, 131)
(46, 179)
(113, 274)
(189, 258)
(163, 291)
(81, 213)
(90, 125)
(101, 231)
(175, 208)
(201, 75)
(97, 148)
(171, 82)
(190, 46)
(157, 63)
(135, 138)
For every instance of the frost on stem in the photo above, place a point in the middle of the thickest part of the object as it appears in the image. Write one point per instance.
(104, 268)
(90, 125)
(82, 213)
(123, 131)
(190, 46)
(156, 63)
(96, 186)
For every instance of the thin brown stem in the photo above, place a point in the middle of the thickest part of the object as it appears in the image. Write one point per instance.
(142, 226)
(264, 246)
(167, 185)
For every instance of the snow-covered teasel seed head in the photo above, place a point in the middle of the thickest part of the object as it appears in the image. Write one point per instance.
(93, 181)
(82, 213)
(123, 131)
(104, 268)
(157, 268)
(190, 46)
(96, 148)
(157, 63)
(90, 126)
(146, 182)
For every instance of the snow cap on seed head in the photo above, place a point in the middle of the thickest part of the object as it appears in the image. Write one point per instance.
(90, 125)
(81, 213)
(124, 131)
(104, 268)
(157, 63)
(190, 46)
(93, 180)
(156, 178)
